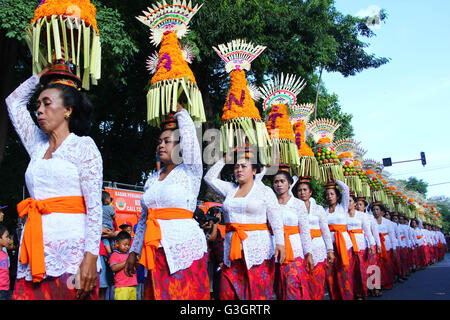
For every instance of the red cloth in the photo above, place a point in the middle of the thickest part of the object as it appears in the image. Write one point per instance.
(102, 251)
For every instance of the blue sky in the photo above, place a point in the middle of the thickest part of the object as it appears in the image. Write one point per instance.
(403, 107)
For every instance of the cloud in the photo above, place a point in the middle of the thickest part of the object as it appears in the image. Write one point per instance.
(373, 12)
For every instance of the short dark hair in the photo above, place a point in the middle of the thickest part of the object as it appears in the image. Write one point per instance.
(3, 229)
(382, 207)
(105, 196)
(123, 235)
(82, 108)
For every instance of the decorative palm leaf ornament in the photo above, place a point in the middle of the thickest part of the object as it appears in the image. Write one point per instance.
(241, 120)
(346, 150)
(299, 117)
(358, 162)
(66, 31)
(280, 96)
(322, 131)
(172, 76)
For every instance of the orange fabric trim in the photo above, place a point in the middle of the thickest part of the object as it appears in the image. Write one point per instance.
(353, 238)
(153, 232)
(32, 248)
(315, 233)
(338, 230)
(239, 235)
(419, 237)
(384, 253)
(289, 230)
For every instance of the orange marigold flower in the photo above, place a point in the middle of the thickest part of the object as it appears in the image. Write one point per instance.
(324, 140)
(239, 102)
(278, 120)
(171, 64)
(82, 9)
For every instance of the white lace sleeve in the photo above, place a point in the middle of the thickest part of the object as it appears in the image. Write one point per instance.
(213, 180)
(91, 181)
(138, 240)
(325, 229)
(189, 145)
(26, 128)
(375, 233)
(366, 228)
(260, 176)
(273, 214)
(305, 232)
(295, 179)
(345, 194)
(391, 235)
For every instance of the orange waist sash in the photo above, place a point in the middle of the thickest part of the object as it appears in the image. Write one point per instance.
(353, 238)
(315, 233)
(153, 232)
(32, 248)
(338, 230)
(289, 230)
(239, 235)
(384, 253)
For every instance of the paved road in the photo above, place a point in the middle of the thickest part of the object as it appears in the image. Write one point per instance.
(433, 283)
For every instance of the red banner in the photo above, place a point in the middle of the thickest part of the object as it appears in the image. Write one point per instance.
(127, 205)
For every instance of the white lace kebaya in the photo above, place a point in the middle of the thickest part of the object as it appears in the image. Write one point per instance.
(75, 169)
(257, 207)
(339, 216)
(360, 221)
(386, 227)
(294, 214)
(182, 239)
(318, 220)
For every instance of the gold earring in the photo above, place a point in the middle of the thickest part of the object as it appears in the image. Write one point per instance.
(67, 116)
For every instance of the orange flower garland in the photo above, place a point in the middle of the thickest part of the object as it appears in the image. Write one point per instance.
(83, 9)
(278, 119)
(239, 102)
(299, 130)
(171, 64)
(324, 140)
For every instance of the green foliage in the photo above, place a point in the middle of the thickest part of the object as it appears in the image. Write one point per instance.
(417, 185)
(442, 204)
(301, 37)
(15, 16)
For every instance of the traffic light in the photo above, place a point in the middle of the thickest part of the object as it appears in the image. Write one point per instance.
(422, 157)
(387, 162)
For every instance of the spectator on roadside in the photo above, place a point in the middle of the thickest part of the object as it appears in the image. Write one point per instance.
(106, 277)
(5, 242)
(141, 273)
(124, 286)
(107, 220)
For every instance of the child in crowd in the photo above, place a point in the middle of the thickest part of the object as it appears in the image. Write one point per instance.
(5, 242)
(107, 221)
(127, 227)
(124, 286)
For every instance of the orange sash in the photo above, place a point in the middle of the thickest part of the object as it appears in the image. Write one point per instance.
(153, 232)
(353, 238)
(239, 235)
(315, 233)
(384, 253)
(32, 248)
(338, 230)
(419, 237)
(288, 230)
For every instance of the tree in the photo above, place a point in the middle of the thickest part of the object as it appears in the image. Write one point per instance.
(301, 37)
(417, 185)
(442, 204)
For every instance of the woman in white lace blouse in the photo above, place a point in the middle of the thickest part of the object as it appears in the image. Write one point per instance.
(64, 178)
(322, 245)
(297, 241)
(168, 240)
(249, 251)
(339, 274)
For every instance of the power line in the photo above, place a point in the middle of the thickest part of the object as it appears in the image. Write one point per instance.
(438, 184)
(426, 170)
